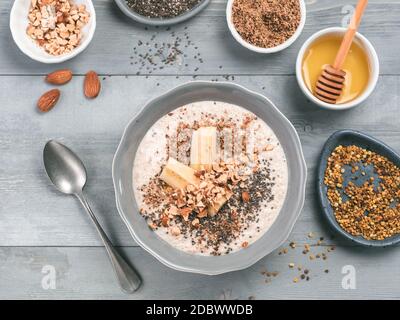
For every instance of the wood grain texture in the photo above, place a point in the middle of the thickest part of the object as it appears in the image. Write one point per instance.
(35, 214)
(39, 226)
(85, 273)
(116, 36)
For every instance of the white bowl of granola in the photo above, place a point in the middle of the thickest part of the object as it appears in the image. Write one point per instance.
(52, 31)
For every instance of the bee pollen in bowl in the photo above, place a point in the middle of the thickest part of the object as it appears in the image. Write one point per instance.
(366, 202)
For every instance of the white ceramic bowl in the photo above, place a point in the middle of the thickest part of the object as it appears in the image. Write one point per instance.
(254, 48)
(204, 91)
(374, 66)
(19, 23)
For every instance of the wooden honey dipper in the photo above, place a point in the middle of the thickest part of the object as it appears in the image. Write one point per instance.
(331, 81)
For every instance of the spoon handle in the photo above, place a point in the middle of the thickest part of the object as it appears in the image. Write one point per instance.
(128, 279)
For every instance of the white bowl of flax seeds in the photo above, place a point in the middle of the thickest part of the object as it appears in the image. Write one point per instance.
(266, 26)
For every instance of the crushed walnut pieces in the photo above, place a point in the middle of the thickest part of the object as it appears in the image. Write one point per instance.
(368, 204)
(266, 23)
(243, 141)
(244, 185)
(186, 209)
(56, 25)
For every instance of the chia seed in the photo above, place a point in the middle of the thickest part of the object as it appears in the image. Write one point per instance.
(162, 8)
(155, 55)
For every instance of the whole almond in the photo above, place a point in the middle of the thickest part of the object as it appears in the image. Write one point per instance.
(59, 77)
(48, 100)
(245, 196)
(92, 85)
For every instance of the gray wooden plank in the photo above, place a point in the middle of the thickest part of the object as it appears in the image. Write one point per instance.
(116, 36)
(85, 273)
(33, 213)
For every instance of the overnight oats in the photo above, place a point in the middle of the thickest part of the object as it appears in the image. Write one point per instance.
(210, 178)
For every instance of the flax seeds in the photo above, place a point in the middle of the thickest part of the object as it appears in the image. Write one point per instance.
(266, 23)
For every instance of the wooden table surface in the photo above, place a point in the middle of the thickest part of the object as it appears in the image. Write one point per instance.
(42, 230)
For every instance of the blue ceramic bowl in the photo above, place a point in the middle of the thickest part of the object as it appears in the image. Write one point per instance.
(346, 138)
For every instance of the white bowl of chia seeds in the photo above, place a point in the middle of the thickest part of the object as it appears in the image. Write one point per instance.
(161, 12)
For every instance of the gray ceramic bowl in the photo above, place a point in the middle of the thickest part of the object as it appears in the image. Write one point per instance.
(182, 95)
(347, 138)
(157, 21)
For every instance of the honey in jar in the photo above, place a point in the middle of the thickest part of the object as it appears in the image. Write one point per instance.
(322, 52)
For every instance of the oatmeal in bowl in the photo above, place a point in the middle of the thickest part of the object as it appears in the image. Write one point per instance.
(201, 177)
(215, 178)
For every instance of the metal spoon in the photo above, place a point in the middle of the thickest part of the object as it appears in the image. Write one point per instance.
(68, 174)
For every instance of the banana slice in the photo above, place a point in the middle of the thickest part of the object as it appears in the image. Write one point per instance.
(178, 175)
(203, 151)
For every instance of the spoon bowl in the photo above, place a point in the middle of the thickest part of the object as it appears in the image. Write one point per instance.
(64, 168)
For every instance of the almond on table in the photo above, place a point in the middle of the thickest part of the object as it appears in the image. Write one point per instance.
(48, 100)
(91, 85)
(59, 77)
